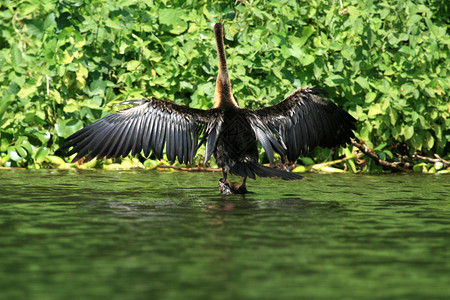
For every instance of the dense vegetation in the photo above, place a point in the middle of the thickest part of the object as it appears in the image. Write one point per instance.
(64, 64)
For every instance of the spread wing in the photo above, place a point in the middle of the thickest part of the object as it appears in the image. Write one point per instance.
(150, 124)
(302, 122)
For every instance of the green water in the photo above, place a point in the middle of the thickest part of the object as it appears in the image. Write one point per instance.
(153, 235)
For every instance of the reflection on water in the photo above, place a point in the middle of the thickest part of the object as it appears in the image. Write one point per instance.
(152, 235)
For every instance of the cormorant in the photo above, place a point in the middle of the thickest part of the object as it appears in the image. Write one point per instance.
(295, 125)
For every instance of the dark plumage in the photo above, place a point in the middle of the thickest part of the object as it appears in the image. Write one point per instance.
(291, 128)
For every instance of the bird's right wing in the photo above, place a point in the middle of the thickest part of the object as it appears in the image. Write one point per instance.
(150, 124)
(304, 121)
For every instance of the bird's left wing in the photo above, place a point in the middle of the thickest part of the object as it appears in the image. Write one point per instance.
(304, 121)
(150, 124)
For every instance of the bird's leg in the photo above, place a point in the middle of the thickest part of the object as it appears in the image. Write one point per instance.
(243, 184)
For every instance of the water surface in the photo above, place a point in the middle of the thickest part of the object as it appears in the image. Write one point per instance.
(171, 235)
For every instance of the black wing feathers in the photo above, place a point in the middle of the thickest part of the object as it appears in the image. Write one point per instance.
(291, 128)
(265, 135)
(150, 124)
(304, 121)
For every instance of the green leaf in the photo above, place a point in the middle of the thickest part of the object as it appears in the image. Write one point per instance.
(113, 24)
(93, 103)
(285, 51)
(438, 165)
(413, 20)
(64, 128)
(429, 141)
(433, 28)
(16, 55)
(72, 126)
(173, 20)
(133, 64)
(422, 167)
(21, 151)
(50, 21)
(301, 169)
(307, 161)
(55, 160)
(375, 110)
(13, 154)
(393, 116)
(370, 97)
(4, 103)
(29, 7)
(27, 146)
(348, 52)
(409, 132)
(362, 82)
(296, 52)
(70, 108)
(27, 90)
(307, 60)
(41, 154)
(307, 31)
(334, 80)
(98, 87)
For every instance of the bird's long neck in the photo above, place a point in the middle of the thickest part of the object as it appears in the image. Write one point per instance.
(223, 96)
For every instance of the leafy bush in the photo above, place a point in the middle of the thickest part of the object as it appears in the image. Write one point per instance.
(64, 64)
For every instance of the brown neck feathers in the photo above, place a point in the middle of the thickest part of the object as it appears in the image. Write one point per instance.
(223, 96)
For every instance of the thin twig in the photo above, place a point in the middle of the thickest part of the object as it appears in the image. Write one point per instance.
(194, 169)
(22, 37)
(48, 84)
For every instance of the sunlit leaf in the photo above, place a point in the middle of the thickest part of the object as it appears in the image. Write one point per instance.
(41, 154)
(363, 82)
(375, 110)
(409, 132)
(131, 65)
(55, 160)
(64, 128)
(334, 80)
(370, 97)
(173, 19)
(113, 24)
(307, 60)
(21, 151)
(27, 90)
(13, 154)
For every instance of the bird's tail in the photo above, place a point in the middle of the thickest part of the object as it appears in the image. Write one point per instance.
(250, 169)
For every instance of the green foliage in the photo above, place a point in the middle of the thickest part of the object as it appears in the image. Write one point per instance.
(64, 64)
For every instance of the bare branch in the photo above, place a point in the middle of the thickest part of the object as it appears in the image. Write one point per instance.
(445, 163)
(393, 166)
(194, 169)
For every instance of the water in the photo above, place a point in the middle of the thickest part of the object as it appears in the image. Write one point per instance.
(171, 235)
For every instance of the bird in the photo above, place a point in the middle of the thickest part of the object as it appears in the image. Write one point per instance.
(293, 127)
